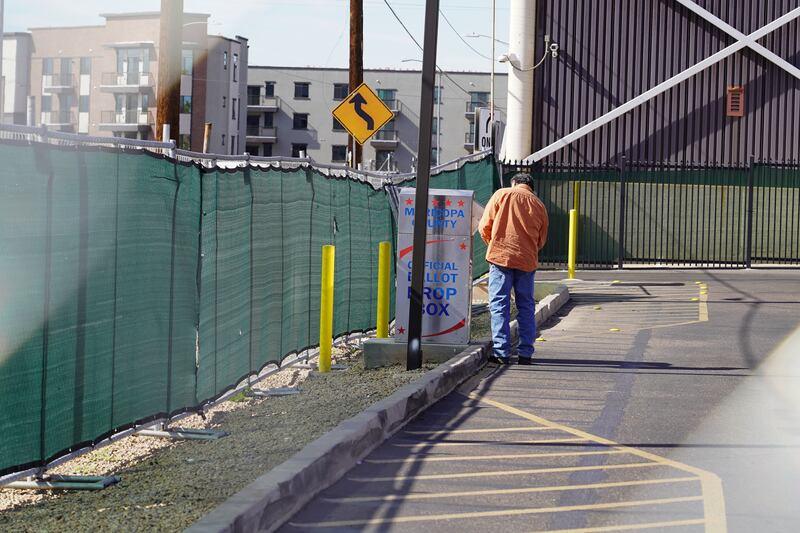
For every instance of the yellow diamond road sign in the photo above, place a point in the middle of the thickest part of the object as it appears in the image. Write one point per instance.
(362, 113)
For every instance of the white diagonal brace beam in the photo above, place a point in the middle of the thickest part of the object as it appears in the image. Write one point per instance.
(739, 36)
(661, 87)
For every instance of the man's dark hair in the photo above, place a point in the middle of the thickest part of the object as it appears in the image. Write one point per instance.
(522, 178)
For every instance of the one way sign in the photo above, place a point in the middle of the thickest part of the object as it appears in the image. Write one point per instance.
(362, 113)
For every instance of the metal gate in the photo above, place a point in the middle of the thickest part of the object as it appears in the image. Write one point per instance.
(667, 215)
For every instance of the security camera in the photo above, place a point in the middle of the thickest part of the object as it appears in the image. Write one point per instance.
(554, 49)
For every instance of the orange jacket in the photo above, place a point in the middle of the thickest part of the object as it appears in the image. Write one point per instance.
(514, 225)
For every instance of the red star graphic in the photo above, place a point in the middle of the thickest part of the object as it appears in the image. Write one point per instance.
(463, 246)
(448, 203)
(402, 330)
(435, 203)
(409, 202)
(461, 203)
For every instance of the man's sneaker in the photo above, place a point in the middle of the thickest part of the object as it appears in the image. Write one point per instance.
(525, 360)
(499, 360)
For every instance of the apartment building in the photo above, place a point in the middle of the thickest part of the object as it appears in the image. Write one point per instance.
(102, 80)
(16, 82)
(289, 113)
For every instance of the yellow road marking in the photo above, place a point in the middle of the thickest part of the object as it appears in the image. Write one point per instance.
(445, 431)
(429, 445)
(499, 473)
(497, 492)
(438, 459)
(627, 527)
(703, 311)
(713, 501)
(491, 514)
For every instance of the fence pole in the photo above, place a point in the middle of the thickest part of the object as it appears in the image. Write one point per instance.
(384, 272)
(621, 234)
(326, 308)
(748, 246)
(573, 242)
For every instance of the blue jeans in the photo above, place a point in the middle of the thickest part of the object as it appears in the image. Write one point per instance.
(501, 281)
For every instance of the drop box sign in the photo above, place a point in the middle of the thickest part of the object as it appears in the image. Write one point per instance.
(447, 287)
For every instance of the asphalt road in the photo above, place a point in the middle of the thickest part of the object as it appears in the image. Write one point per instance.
(659, 400)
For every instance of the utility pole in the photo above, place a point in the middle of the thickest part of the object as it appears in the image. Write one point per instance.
(356, 63)
(522, 32)
(169, 68)
(414, 348)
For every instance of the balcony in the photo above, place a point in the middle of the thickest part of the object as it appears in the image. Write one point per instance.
(125, 82)
(384, 139)
(472, 106)
(257, 134)
(262, 103)
(394, 105)
(58, 119)
(469, 140)
(129, 121)
(58, 83)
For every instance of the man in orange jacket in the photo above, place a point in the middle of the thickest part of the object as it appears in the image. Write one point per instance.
(514, 225)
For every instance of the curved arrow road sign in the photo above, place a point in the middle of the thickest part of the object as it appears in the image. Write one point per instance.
(362, 113)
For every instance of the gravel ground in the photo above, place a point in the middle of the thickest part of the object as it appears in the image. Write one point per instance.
(168, 485)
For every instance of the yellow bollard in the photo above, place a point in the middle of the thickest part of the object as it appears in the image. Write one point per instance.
(573, 242)
(326, 308)
(576, 196)
(384, 278)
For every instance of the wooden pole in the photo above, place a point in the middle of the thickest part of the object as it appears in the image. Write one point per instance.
(169, 67)
(356, 62)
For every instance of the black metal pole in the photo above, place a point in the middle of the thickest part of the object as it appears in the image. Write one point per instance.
(748, 246)
(622, 201)
(414, 353)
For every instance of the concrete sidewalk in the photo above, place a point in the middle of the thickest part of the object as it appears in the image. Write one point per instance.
(529, 448)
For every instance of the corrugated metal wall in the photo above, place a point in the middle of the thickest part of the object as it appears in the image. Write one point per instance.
(614, 50)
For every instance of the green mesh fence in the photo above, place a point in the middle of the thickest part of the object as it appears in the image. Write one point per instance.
(118, 265)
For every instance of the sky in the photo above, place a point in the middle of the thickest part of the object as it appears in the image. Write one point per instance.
(309, 32)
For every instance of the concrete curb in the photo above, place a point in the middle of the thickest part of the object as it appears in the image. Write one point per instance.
(273, 498)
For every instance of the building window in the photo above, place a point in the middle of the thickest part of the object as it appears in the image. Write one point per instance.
(235, 67)
(269, 88)
(434, 155)
(223, 139)
(233, 108)
(253, 95)
(119, 103)
(187, 62)
(437, 95)
(225, 60)
(389, 97)
(436, 125)
(251, 149)
(339, 153)
(340, 91)
(185, 141)
(224, 102)
(66, 65)
(301, 89)
(478, 99)
(86, 65)
(47, 103)
(300, 121)
(337, 126)
(298, 148)
(234, 147)
(266, 150)
(83, 104)
(269, 120)
(47, 66)
(145, 102)
(186, 104)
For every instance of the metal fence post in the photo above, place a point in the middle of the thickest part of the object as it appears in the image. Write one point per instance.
(748, 246)
(622, 199)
